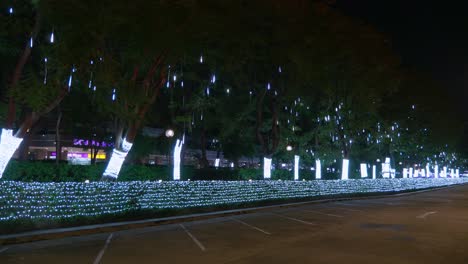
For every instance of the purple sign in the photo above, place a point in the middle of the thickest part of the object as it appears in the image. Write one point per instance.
(87, 142)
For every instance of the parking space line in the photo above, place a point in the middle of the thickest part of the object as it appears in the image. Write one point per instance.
(317, 212)
(199, 244)
(423, 216)
(348, 204)
(251, 226)
(342, 208)
(103, 250)
(3, 249)
(294, 219)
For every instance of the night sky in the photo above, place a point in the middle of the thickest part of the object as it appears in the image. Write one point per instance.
(430, 37)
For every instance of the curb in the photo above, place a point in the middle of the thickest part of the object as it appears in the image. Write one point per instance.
(58, 233)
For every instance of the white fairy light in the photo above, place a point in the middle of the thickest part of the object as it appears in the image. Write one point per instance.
(296, 167)
(345, 170)
(266, 168)
(66, 200)
(280, 70)
(318, 170)
(213, 79)
(10, 10)
(52, 37)
(114, 96)
(201, 58)
(268, 86)
(364, 170)
(8, 146)
(31, 42)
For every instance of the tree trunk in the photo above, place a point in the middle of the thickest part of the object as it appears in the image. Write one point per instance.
(203, 161)
(17, 73)
(58, 145)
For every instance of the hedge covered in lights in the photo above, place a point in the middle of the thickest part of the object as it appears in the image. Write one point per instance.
(32, 201)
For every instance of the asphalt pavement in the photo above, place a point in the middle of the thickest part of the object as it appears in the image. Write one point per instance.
(429, 227)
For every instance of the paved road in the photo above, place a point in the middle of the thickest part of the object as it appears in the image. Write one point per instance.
(430, 227)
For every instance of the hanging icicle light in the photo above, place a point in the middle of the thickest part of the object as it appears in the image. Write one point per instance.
(268, 86)
(207, 91)
(45, 71)
(52, 37)
(201, 58)
(280, 70)
(114, 96)
(213, 79)
(31, 42)
(10, 10)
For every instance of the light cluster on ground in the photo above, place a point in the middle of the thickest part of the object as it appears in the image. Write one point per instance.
(23, 201)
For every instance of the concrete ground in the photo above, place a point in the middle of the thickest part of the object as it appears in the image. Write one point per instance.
(430, 227)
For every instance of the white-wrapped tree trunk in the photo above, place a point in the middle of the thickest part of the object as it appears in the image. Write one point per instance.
(296, 167)
(318, 170)
(266, 168)
(177, 151)
(117, 159)
(8, 145)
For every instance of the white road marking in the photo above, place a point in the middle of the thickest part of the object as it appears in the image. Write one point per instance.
(423, 216)
(349, 204)
(3, 250)
(251, 226)
(101, 253)
(342, 208)
(199, 244)
(294, 219)
(317, 212)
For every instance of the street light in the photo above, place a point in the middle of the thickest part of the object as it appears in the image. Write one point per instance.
(169, 133)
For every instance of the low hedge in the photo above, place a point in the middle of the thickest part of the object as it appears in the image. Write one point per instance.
(46, 171)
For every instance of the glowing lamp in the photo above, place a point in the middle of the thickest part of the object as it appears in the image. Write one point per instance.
(169, 133)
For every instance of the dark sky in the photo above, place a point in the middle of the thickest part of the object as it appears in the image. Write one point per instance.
(429, 36)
